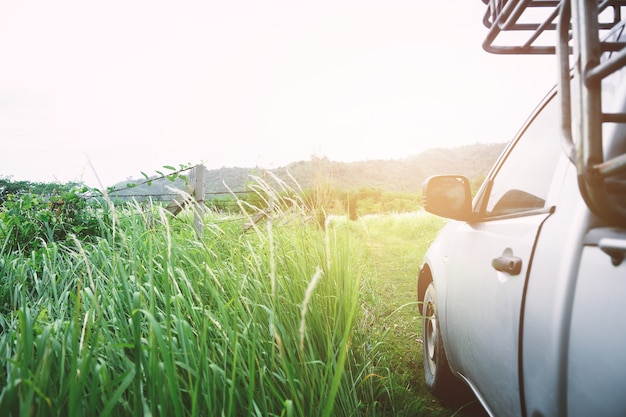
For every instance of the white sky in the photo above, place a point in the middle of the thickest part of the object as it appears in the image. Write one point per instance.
(134, 85)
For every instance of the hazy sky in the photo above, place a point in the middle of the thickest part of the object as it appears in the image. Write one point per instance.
(134, 85)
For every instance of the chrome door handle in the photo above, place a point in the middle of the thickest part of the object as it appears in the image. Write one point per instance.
(507, 263)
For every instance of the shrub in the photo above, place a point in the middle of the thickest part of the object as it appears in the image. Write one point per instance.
(28, 220)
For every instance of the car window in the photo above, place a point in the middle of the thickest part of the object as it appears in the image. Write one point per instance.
(522, 181)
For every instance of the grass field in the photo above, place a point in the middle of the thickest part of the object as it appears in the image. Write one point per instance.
(396, 245)
(285, 319)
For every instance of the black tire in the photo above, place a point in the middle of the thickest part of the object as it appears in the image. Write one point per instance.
(440, 380)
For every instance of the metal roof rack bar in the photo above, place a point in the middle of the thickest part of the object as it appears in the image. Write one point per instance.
(603, 70)
(504, 16)
(522, 27)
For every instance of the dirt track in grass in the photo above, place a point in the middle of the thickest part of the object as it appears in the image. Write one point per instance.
(396, 245)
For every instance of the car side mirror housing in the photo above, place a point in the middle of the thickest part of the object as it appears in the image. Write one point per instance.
(448, 196)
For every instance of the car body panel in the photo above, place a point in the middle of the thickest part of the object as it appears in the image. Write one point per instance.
(484, 304)
(596, 366)
(548, 301)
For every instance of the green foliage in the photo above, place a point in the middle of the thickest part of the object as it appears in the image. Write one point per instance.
(224, 204)
(373, 200)
(9, 187)
(151, 186)
(148, 320)
(29, 221)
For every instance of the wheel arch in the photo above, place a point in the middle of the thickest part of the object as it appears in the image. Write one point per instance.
(424, 278)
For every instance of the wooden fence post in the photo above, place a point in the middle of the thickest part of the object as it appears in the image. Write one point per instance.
(197, 182)
(194, 190)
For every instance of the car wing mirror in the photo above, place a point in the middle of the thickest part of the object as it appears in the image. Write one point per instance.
(448, 196)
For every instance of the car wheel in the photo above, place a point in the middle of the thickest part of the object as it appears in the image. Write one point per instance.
(439, 379)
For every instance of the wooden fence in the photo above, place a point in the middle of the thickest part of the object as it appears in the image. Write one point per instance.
(192, 194)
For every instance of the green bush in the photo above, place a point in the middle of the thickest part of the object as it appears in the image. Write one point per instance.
(28, 220)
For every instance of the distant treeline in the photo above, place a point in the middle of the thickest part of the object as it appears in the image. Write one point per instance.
(356, 188)
(9, 187)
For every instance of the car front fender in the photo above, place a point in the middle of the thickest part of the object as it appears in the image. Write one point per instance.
(434, 269)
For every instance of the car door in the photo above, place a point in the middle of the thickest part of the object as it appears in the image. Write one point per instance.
(596, 365)
(490, 260)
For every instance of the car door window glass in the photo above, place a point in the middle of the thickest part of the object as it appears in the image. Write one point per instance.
(522, 181)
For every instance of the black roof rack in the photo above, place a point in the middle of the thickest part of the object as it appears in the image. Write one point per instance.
(593, 32)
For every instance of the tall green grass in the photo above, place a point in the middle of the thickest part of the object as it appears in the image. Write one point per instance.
(148, 320)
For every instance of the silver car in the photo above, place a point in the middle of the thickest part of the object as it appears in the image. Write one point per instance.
(523, 290)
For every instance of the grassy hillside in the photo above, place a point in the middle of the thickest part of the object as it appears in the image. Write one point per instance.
(399, 175)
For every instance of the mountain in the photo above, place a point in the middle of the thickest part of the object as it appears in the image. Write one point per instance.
(397, 175)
